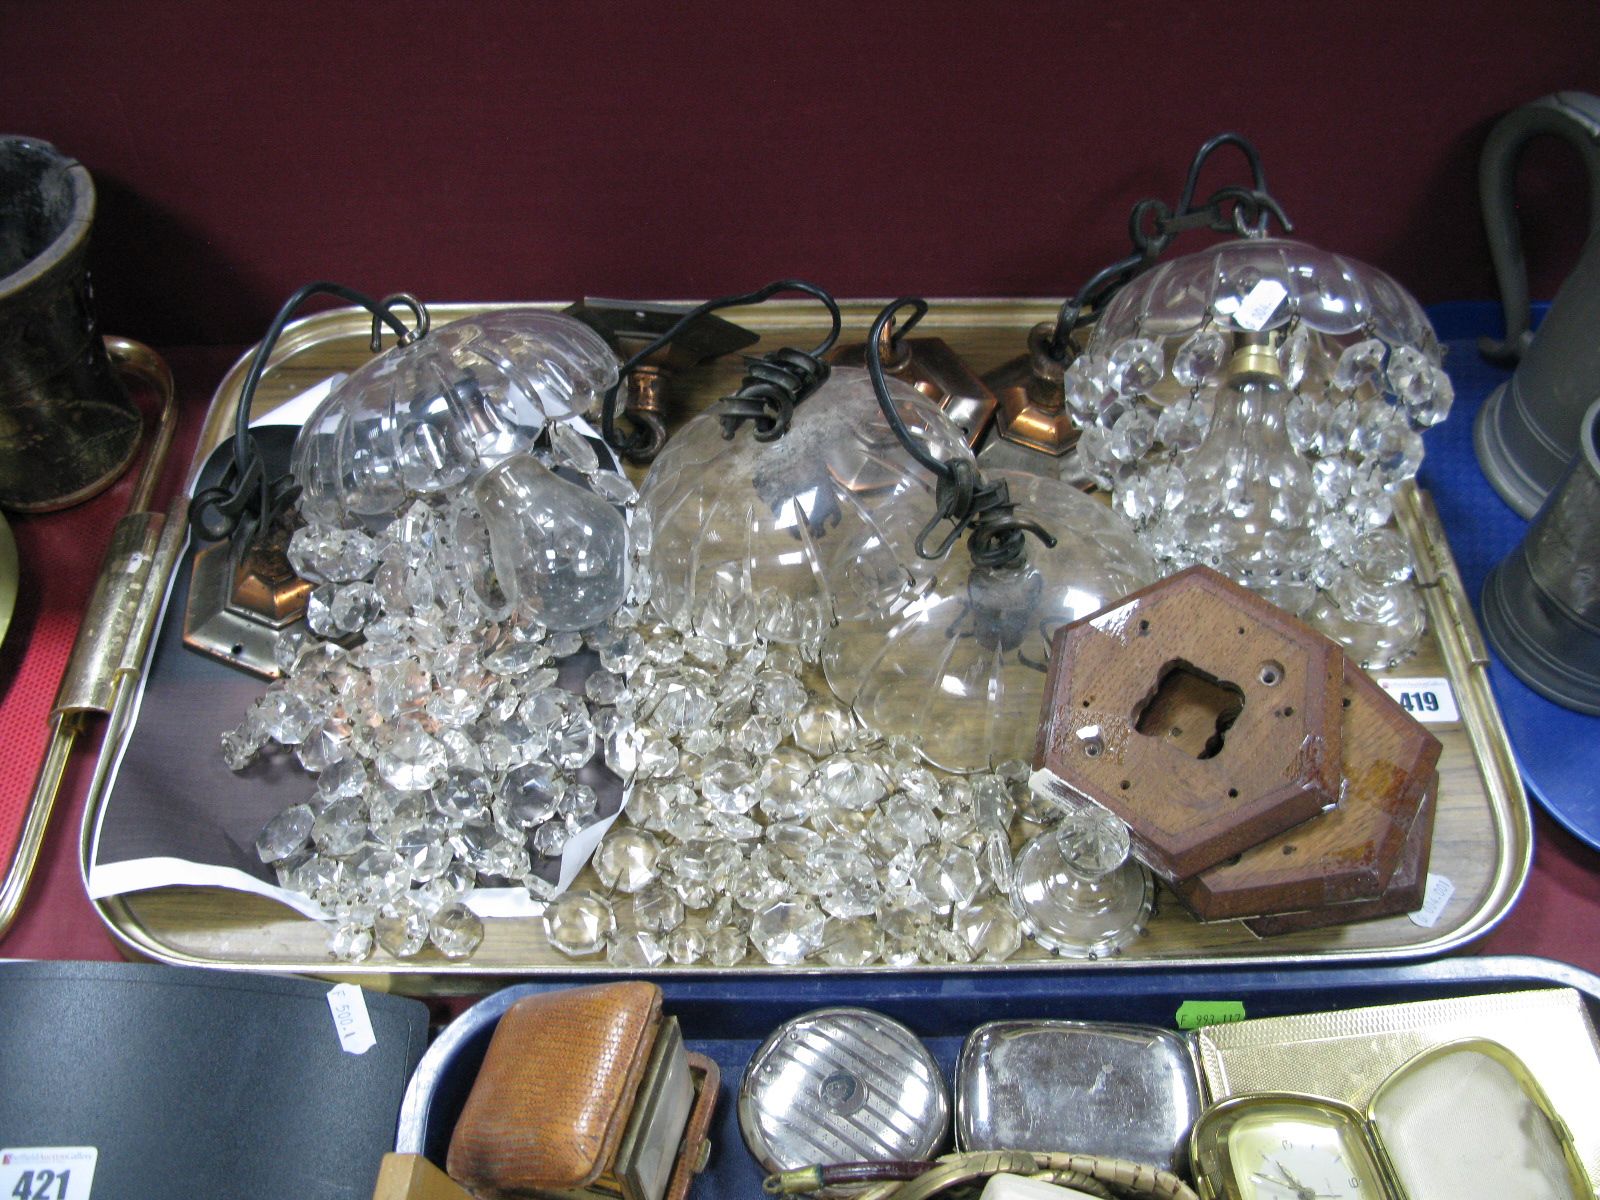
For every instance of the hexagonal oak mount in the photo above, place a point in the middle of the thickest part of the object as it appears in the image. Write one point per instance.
(1402, 894)
(1350, 852)
(1203, 716)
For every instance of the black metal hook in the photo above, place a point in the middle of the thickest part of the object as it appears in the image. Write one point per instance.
(1152, 226)
(419, 312)
(963, 496)
(783, 376)
(246, 501)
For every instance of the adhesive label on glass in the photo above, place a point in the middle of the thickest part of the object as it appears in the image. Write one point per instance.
(47, 1172)
(351, 1020)
(1435, 896)
(1429, 699)
(1257, 308)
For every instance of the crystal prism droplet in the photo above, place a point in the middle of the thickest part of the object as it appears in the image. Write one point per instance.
(577, 922)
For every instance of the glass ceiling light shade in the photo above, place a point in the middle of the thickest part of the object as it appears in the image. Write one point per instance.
(427, 416)
(1254, 407)
(787, 536)
(960, 670)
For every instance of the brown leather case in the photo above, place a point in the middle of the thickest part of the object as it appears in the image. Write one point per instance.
(695, 1151)
(555, 1089)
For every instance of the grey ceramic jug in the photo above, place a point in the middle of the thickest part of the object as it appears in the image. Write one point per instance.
(1527, 431)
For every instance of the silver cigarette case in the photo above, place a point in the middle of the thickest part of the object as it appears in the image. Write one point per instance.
(1124, 1091)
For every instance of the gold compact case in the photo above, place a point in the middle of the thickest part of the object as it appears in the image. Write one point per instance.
(1462, 1120)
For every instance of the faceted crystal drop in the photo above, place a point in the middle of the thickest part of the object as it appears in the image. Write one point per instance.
(340, 828)
(1360, 364)
(1182, 425)
(1083, 390)
(571, 449)
(412, 761)
(850, 943)
(354, 606)
(456, 930)
(851, 780)
(402, 929)
(786, 931)
(577, 922)
(627, 860)
(990, 929)
(617, 489)
(238, 749)
(727, 947)
(686, 944)
(1132, 435)
(1136, 366)
(550, 838)
(657, 909)
(947, 877)
(1199, 361)
(350, 942)
(327, 555)
(638, 950)
(286, 833)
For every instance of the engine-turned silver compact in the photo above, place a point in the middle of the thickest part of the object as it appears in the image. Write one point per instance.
(1088, 1087)
(842, 1085)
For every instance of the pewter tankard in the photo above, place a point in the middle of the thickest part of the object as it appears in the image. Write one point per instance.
(67, 428)
(1541, 606)
(1527, 431)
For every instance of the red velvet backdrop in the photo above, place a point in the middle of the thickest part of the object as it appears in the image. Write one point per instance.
(542, 150)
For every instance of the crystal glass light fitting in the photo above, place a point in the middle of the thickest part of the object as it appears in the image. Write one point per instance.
(960, 669)
(1254, 407)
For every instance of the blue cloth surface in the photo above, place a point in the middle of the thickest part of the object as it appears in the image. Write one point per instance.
(1557, 749)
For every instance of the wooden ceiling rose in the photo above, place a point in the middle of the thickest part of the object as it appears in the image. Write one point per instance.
(1206, 718)
(1346, 854)
(1402, 894)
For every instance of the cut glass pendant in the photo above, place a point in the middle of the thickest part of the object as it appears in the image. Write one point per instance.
(960, 670)
(783, 538)
(421, 419)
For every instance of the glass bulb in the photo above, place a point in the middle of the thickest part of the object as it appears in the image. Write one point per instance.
(559, 551)
(959, 671)
(1076, 889)
(422, 419)
(1249, 495)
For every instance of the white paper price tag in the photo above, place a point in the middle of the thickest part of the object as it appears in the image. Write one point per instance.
(1428, 699)
(47, 1172)
(1257, 308)
(1435, 896)
(351, 1019)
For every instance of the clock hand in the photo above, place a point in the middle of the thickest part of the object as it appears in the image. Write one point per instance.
(1275, 1180)
(1301, 1191)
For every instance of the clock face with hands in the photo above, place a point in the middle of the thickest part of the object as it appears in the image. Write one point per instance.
(1284, 1148)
